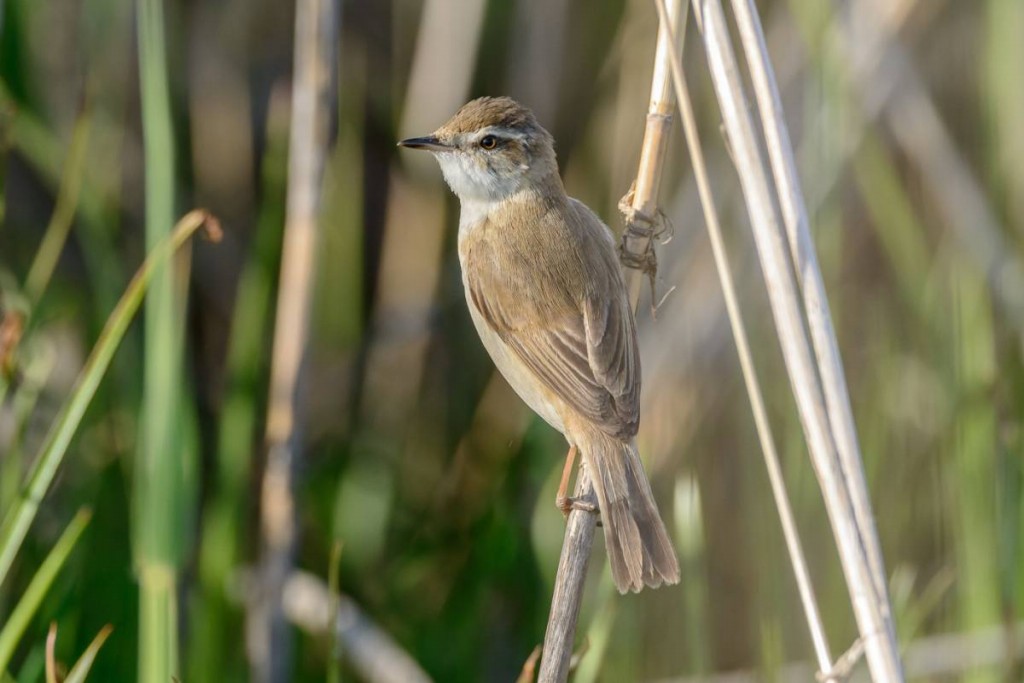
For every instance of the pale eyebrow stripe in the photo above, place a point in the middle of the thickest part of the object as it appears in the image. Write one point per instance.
(501, 131)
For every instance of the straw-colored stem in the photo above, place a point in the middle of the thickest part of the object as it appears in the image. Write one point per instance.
(268, 637)
(637, 257)
(757, 404)
(945, 656)
(808, 272)
(871, 609)
(641, 216)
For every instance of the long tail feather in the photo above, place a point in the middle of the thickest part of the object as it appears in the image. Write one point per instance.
(639, 549)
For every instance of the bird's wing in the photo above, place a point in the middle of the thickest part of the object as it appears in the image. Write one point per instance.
(580, 339)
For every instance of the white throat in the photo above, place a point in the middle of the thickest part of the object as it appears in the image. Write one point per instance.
(479, 190)
(474, 213)
(470, 179)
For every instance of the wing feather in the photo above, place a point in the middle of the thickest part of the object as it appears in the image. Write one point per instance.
(580, 339)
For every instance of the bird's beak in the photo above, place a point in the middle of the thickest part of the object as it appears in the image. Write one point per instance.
(429, 143)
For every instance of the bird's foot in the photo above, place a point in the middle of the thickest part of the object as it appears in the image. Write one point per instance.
(569, 503)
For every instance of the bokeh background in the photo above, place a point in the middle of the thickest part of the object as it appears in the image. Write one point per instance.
(414, 454)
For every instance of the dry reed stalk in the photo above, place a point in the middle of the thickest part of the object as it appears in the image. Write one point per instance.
(919, 129)
(870, 605)
(819, 317)
(640, 206)
(567, 596)
(268, 637)
(371, 652)
(948, 656)
(637, 254)
(764, 432)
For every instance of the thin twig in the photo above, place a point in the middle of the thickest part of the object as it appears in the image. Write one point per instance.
(757, 404)
(638, 257)
(268, 639)
(871, 608)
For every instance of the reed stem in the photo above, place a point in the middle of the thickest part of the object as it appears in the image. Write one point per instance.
(871, 607)
(637, 256)
(794, 546)
(268, 634)
(159, 484)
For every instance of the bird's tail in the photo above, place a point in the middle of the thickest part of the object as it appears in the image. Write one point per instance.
(639, 550)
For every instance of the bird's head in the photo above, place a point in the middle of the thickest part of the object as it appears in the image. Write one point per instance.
(492, 148)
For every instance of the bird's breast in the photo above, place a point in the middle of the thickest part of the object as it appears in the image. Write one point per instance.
(477, 252)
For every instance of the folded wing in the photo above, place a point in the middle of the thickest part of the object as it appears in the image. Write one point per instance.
(582, 347)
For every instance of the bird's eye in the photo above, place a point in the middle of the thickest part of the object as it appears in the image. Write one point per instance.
(488, 142)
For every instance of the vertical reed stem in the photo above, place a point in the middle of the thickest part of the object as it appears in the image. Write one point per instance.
(570, 580)
(641, 216)
(158, 472)
(871, 608)
(637, 255)
(819, 317)
(269, 636)
(794, 546)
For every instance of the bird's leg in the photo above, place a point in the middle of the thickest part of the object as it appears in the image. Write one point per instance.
(564, 502)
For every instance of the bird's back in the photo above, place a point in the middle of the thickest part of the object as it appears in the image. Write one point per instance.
(565, 315)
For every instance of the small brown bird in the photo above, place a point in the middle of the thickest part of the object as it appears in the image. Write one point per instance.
(546, 294)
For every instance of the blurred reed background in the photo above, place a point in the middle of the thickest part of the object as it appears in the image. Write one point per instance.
(422, 463)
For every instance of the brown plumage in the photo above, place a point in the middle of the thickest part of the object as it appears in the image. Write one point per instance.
(482, 112)
(546, 294)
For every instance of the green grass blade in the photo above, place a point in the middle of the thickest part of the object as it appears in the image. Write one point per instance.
(18, 518)
(42, 151)
(34, 665)
(81, 668)
(160, 487)
(63, 213)
(39, 586)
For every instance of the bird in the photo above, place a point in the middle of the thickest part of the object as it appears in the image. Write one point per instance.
(547, 297)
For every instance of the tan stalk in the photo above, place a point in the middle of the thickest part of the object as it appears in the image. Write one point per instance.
(638, 256)
(870, 606)
(812, 612)
(268, 636)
